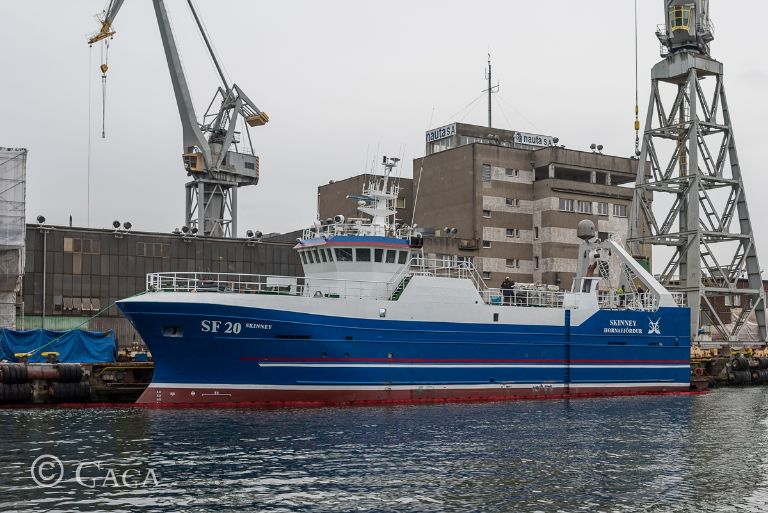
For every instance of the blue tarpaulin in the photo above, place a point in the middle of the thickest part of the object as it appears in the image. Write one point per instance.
(73, 346)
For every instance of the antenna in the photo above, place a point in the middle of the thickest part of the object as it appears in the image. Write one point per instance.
(491, 88)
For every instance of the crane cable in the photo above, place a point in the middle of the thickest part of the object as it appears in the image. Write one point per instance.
(104, 67)
(637, 102)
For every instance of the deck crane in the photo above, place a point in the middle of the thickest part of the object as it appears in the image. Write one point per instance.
(213, 154)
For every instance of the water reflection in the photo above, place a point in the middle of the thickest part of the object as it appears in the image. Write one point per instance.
(649, 454)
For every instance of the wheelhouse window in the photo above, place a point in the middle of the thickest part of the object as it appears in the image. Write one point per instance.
(403, 257)
(363, 254)
(329, 253)
(310, 256)
(391, 255)
(304, 257)
(378, 254)
(323, 257)
(343, 254)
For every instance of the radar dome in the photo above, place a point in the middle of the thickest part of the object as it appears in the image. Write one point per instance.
(585, 230)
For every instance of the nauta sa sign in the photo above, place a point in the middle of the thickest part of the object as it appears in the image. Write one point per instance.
(533, 139)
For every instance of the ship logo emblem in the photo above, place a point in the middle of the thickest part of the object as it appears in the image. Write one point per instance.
(653, 327)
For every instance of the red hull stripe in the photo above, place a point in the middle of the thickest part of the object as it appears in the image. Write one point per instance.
(271, 398)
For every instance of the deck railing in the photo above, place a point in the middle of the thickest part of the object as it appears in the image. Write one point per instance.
(353, 227)
(360, 289)
(523, 296)
(267, 284)
(643, 301)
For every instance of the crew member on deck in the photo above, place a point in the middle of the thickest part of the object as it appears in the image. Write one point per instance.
(507, 291)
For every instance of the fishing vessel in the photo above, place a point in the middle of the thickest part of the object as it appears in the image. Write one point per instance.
(372, 321)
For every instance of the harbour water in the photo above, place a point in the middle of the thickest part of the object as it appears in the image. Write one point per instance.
(635, 454)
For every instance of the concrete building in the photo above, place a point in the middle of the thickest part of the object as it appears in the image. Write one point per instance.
(514, 200)
(332, 198)
(73, 273)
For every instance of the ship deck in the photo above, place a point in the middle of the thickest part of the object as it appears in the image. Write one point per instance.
(522, 295)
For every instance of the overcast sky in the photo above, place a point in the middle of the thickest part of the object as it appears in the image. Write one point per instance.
(343, 83)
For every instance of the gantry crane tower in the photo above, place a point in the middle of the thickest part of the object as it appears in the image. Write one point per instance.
(689, 168)
(213, 155)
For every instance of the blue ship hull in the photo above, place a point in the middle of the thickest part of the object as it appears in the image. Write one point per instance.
(222, 354)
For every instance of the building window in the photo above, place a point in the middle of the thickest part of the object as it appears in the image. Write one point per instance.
(486, 173)
(602, 209)
(584, 207)
(486, 244)
(513, 232)
(566, 205)
(487, 214)
(512, 263)
(486, 275)
(620, 210)
(535, 232)
(447, 260)
(535, 262)
(603, 235)
(513, 202)
(512, 173)
(733, 301)
(400, 203)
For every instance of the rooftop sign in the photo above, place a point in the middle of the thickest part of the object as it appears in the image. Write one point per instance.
(533, 139)
(441, 133)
